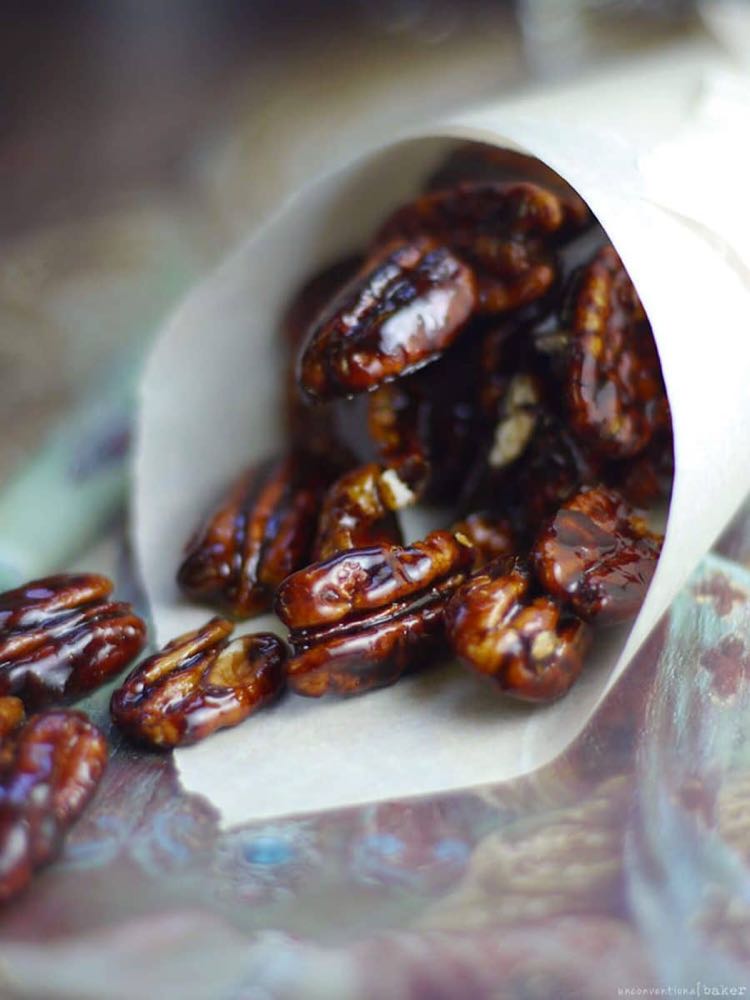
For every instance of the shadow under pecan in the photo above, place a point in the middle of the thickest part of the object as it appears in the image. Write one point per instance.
(428, 426)
(409, 301)
(310, 425)
(60, 637)
(505, 231)
(198, 683)
(615, 393)
(50, 767)
(362, 619)
(260, 532)
(528, 645)
(358, 510)
(598, 556)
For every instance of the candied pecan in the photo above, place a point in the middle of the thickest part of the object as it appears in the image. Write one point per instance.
(260, 532)
(615, 392)
(506, 232)
(596, 554)
(529, 646)
(406, 305)
(492, 536)
(51, 766)
(358, 510)
(363, 618)
(480, 162)
(198, 683)
(60, 638)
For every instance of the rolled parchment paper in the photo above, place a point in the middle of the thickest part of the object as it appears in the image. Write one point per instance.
(209, 404)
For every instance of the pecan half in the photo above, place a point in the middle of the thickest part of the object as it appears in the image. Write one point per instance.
(60, 638)
(406, 305)
(51, 766)
(480, 162)
(506, 232)
(260, 532)
(597, 555)
(358, 510)
(615, 392)
(528, 645)
(198, 683)
(363, 618)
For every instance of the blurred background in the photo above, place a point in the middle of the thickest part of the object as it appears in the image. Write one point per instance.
(139, 139)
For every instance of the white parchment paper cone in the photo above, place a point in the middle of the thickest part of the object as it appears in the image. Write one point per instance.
(208, 405)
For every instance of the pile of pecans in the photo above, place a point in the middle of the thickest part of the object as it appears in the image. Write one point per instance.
(487, 356)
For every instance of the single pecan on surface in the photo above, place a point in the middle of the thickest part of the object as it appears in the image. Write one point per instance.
(615, 392)
(598, 556)
(409, 301)
(363, 618)
(50, 767)
(61, 637)
(528, 645)
(260, 532)
(198, 683)
(505, 231)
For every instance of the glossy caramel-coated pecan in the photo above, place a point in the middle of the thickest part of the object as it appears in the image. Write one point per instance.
(61, 637)
(528, 645)
(506, 232)
(363, 618)
(403, 309)
(597, 555)
(358, 510)
(260, 532)
(198, 683)
(51, 766)
(480, 162)
(615, 392)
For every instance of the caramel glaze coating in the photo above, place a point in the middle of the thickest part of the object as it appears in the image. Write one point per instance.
(505, 231)
(358, 510)
(598, 556)
(615, 392)
(198, 683)
(260, 532)
(363, 618)
(528, 646)
(60, 637)
(407, 304)
(51, 766)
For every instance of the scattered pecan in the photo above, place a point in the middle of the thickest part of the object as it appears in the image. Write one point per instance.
(506, 232)
(358, 510)
(60, 637)
(406, 305)
(51, 766)
(260, 532)
(597, 555)
(198, 683)
(529, 646)
(615, 393)
(363, 618)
